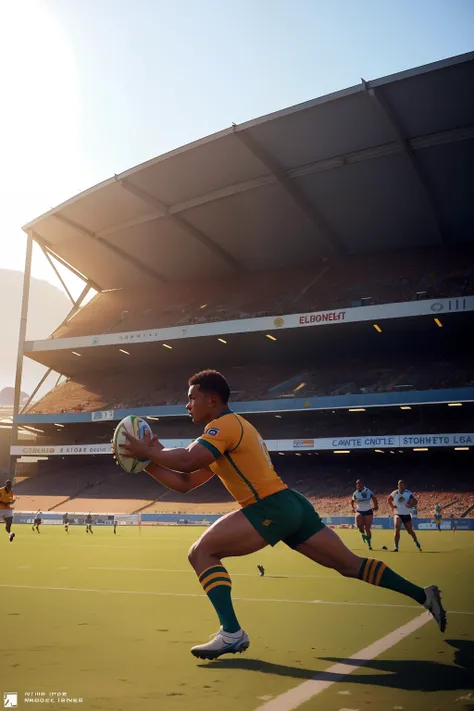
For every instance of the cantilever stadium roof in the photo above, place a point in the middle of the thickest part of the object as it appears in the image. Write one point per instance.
(385, 164)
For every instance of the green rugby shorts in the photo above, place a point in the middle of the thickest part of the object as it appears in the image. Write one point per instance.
(286, 516)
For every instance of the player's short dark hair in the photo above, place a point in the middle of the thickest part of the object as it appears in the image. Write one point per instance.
(211, 381)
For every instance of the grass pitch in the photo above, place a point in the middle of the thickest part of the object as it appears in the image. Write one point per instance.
(110, 620)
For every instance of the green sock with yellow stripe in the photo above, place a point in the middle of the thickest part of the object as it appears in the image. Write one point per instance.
(218, 588)
(376, 572)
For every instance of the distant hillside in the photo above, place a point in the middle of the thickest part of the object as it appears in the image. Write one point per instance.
(48, 306)
(7, 396)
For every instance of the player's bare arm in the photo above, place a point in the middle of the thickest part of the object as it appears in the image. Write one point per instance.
(412, 502)
(390, 502)
(179, 481)
(172, 477)
(376, 502)
(183, 460)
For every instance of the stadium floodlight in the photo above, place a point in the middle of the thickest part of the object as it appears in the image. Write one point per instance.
(420, 449)
(77, 354)
(278, 417)
(461, 449)
(341, 451)
(405, 407)
(356, 409)
(379, 451)
(56, 424)
(282, 454)
(166, 345)
(222, 340)
(438, 323)
(377, 328)
(454, 404)
(270, 337)
(124, 352)
(150, 417)
(203, 306)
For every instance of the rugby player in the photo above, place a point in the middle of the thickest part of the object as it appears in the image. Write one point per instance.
(89, 523)
(36, 522)
(401, 501)
(364, 505)
(7, 499)
(438, 516)
(66, 523)
(231, 448)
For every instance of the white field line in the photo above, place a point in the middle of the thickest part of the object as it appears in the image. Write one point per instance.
(309, 689)
(202, 595)
(97, 545)
(234, 575)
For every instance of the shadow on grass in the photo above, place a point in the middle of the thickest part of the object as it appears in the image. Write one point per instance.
(403, 674)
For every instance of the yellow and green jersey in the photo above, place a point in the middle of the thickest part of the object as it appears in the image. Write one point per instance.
(6, 498)
(242, 460)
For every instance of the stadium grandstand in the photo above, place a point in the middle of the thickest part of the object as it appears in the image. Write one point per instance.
(321, 257)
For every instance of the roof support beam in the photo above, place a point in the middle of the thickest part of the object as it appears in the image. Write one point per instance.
(71, 298)
(40, 383)
(44, 244)
(75, 308)
(328, 234)
(25, 300)
(186, 226)
(376, 95)
(129, 258)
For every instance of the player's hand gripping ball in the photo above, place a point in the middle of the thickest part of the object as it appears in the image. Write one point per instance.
(129, 451)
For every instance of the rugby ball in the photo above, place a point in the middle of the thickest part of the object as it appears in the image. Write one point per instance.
(136, 427)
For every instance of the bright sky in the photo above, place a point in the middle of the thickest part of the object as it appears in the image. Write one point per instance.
(92, 87)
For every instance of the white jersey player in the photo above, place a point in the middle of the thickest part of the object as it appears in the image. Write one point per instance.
(364, 505)
(36, 522)
(401, 501)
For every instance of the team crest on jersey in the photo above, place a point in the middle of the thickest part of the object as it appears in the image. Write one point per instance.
(401, 499)
(212, 432)
(364, 494)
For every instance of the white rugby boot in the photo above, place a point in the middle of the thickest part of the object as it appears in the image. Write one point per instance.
(435, 606)
(222, 643)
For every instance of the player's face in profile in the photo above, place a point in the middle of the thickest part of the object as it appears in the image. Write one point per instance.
(8, 486)
(199, 405)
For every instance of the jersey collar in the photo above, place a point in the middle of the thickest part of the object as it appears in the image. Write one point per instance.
(227, 411)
